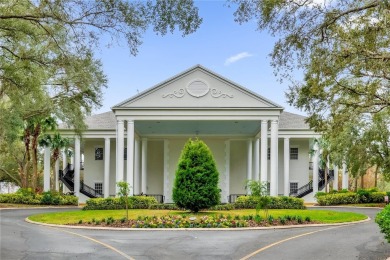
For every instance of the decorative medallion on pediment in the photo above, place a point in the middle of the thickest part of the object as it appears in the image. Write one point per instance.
(197, 88)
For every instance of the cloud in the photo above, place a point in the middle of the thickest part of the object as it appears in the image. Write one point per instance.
(237, 57)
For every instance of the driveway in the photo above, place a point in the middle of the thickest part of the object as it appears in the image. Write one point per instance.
(22, 240)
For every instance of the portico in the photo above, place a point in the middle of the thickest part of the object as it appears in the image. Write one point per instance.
(140, 141)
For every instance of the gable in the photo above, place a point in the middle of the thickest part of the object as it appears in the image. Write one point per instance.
(197, 87)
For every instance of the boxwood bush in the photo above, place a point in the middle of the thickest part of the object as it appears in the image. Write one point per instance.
(362, 196)
(46, 198)
(135, 202)
(383, 220)
(283, 202)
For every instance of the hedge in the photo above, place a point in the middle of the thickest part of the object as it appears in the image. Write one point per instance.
(383, 220)
(46, 198)
(283, 202)
(362, 196)
(135, 202)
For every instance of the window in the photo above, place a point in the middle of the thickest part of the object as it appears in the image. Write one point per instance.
(269, 154)
(125, 154)
(293, 153)
(99, 187)
(293, 187)
(99, 153)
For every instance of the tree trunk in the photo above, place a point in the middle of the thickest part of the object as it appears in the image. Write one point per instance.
(376, 177)
(356, 183)
(34, 148)
(362, 182)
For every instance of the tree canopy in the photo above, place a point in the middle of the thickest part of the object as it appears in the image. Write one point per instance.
(342, 48)
(47, 63)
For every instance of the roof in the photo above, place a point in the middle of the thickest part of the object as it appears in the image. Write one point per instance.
(107, 121)
(292, 121)
(177, 88)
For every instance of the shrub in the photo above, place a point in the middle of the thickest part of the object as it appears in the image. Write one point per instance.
(361, 196)
(134, 202)
(164, 206)
(223, 207)
(338, 198)
(378, 197)
(364, 195)
(320, 193)
(383, 220)
(245, 202)
(283, 202)
(196, 179)
(46, 198)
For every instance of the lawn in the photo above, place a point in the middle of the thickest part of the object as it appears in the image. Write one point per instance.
(73, 217)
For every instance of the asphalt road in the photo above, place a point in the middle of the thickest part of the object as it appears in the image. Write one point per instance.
(22, 240)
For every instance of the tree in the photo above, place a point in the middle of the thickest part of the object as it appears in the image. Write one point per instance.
(196, 180)
(123, 193)
(47, 66)
(56, 143)
(342, 47)
(258, 191)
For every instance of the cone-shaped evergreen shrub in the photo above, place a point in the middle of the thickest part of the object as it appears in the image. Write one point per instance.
(196, 180)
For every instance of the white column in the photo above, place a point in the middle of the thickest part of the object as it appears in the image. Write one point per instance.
(316, 156)
(167, 185)
(57, 171)
(345, 177)
(77, 166)
(106, 182)
(264, 144)
(257, 160)
(130, 156)
(137, 174)
(249, 161)
(120, 152)
(274, 158)
(64, 164)
(72, 161)
(286, 166)
(336, 177)
(64, 160)
(46, 169)
(144, 165)
(227, 173)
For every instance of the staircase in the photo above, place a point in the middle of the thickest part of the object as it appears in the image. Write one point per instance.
(308, 188)
(67, 178)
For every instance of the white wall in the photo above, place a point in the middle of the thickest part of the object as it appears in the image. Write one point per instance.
(155, 173)
(238, 166)
(94, 169)
(176, 145)
(299, 169)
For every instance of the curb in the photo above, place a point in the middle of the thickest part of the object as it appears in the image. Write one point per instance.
(346, 207)
(48, 207)
(199, 229)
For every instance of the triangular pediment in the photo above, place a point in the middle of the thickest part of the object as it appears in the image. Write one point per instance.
(197, 87)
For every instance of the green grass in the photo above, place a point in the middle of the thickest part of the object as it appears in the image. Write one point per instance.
(71, 217)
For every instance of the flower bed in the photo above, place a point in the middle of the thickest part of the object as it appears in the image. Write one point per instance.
(188, 221)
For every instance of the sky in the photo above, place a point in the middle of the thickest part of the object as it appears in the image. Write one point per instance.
(237, 52)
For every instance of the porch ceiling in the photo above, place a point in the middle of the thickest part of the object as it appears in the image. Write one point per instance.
(197, 127)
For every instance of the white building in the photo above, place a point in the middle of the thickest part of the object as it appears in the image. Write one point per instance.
(141, 139)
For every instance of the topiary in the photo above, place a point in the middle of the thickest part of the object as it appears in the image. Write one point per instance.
(196, 180)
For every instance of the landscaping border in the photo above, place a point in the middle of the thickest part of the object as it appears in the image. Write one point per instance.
(198, 229)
